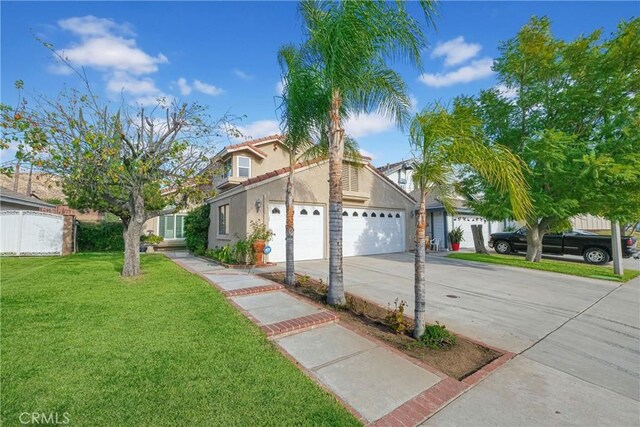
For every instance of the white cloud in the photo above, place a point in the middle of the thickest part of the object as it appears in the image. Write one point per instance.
(123, 82)
(367, 124)
(206, 88)
(259, 128)
(279, 87)
(184, 87)
(507, 92)
(241, 74)
(455, 51)
(476, 70)
(413, 101)
(92, 26)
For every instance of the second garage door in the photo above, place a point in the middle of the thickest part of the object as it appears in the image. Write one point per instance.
(372, 231)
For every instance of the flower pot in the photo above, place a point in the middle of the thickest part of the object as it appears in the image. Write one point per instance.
(258, 248)
(455, 247)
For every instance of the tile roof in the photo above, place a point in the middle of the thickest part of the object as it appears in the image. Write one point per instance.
(251, 144)
(279, 172)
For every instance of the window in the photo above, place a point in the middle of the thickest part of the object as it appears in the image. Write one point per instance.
(227, 169)
(171, 226)
(349, 177)
(397, 215)
(354, 213)
(316, 212)
(364, 214)
(303, 212)
(275, 211)
(345, 213)
(373, 215)
(402, 176)
(389, 216)
(223, 220)
(244, 167)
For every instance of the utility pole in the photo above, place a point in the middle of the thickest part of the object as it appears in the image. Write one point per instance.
(616, 245)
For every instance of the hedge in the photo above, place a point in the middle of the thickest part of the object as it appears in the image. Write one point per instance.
(100, 237)
(196, 229)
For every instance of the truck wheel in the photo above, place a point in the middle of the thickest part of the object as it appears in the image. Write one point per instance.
(596, 256)
(502, 247)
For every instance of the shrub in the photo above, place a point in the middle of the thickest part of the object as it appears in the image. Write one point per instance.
(456, 235)
(100, 237)
(151, 239)
(260, 231)
(437, 336)
(196, 229)
(395, 317)
(240, 252)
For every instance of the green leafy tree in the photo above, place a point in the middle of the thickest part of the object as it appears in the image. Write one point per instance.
(132, 162)
(560, 106)
(442, 141)
(349, 47)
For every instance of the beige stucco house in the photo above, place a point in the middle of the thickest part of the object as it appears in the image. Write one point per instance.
(377, 213)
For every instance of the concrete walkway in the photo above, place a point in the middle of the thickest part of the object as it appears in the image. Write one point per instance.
(577, 339)
(378, 384)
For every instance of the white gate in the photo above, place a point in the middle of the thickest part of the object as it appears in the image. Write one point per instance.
(30, 233)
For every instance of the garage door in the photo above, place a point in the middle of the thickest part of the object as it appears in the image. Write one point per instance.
(465, 222)
(308, 223)
(372, 231)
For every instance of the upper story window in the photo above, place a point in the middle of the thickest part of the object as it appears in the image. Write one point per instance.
(402, 177)
(227, 169)
(244, 167)
(349, 177)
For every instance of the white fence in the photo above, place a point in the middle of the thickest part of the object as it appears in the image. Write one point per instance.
(30, 233)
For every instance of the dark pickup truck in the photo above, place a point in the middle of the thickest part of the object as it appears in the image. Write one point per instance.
(595, 249)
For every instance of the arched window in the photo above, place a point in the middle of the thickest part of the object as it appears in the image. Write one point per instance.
(373, 215)
(345, 213)
(364, 214)
(354, 213)
(303, 212)
(398, 215)
(275, 211)
(316, 212)
(381, 214)
(389, 216)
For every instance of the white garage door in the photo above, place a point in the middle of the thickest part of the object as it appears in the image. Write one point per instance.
(372, 231)
(465, 222)
(308, 225)
(30, 233)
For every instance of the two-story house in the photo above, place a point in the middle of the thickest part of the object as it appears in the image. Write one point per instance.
(377, 213)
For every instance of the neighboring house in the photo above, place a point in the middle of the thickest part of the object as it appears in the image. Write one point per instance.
(12, 200)
(377, 214)
(439, 221)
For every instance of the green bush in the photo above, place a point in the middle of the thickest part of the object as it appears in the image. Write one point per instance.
(151, 239)
(100, 237)
(239, 253)
(437, 336)
(196, 229)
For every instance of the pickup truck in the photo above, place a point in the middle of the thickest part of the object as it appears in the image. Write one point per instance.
(594, 248)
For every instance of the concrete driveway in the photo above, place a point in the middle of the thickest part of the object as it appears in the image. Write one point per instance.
(578, 339)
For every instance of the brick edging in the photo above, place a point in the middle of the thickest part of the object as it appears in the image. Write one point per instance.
(298, 323)
(417, 410)
(253, 290)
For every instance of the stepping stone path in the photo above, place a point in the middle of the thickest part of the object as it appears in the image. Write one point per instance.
(378, 384)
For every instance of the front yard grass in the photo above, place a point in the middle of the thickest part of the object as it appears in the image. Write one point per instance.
(163, 349)
(564, 267)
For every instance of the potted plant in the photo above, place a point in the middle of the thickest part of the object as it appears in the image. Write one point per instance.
(259, 237)
(149, 241)
(455, 237)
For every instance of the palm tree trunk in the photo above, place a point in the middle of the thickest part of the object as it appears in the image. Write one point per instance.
(335, 295)
(290, 268)
(420, 287)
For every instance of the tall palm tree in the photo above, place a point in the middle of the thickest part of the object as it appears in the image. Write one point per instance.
(443, 141)
(349, 46)
(305, 128)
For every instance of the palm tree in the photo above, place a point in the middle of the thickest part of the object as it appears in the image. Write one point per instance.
(444, 141)
(349, 46)
(305, 130)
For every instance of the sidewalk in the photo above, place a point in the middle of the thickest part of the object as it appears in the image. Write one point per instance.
(378, 384)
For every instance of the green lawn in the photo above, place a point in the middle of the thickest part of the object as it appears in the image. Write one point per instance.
(564, 267)
(165, 349)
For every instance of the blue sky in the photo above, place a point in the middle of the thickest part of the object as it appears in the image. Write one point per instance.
(223, 54)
